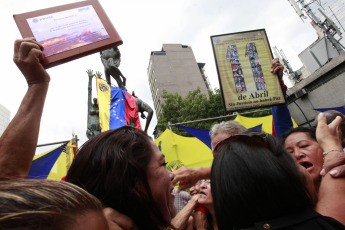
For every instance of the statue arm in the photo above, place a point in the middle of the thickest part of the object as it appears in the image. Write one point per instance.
(89, 98)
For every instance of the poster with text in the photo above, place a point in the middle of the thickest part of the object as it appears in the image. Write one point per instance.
(67, 29)
(243, 63)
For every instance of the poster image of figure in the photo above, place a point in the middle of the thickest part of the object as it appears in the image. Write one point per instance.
(232, 54)
(243, 61)
(252, 54)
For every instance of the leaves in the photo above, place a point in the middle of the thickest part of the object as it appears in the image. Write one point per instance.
(194, 106)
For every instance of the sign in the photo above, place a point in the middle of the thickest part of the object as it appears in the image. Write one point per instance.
(69, 31)
(243, 63)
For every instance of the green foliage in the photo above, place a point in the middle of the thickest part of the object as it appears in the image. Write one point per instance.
(195, 106)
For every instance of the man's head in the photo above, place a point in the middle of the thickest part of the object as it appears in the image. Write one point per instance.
(225, 129)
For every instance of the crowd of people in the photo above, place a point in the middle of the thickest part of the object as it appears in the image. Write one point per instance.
(119, 180)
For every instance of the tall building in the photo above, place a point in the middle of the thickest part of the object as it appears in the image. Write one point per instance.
(175, 70)
(4, 119)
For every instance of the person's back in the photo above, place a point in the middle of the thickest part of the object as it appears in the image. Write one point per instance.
(256, 182)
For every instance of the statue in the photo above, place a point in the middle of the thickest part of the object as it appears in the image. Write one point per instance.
(93, 126)
(143, 107)
(111, 59)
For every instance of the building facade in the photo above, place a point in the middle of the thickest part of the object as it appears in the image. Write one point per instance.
(175, 70)
(4, 118)
(322, 89)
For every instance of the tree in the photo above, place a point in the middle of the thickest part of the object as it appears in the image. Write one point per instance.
(194, 106)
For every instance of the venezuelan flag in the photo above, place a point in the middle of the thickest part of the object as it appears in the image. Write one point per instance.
(117, 107)
(53, 164)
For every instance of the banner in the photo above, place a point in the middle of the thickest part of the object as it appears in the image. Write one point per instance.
(117, 108)
(243, 63)
(53, 164)
(190, 151)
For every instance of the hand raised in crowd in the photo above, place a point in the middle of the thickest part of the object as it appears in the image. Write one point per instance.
(189, 176)
(28, 57)
(330, 138)
(277, 68)
(181, 220)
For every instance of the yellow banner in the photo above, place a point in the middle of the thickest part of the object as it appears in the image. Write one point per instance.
(189, 150)
(243, 62)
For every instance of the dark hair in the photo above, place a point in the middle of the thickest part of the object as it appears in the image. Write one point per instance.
(254, 181)
(43, 204)
(113, 167)
(307, 130)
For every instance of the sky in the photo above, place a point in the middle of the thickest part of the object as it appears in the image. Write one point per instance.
(143, 26)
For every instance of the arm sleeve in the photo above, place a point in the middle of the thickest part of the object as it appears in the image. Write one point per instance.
(281, 117)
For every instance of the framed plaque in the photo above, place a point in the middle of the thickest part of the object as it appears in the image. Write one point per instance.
(243, 63)
(69, 31)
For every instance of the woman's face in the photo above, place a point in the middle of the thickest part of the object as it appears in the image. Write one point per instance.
(205, 197)
(307, 153)
(159, 179)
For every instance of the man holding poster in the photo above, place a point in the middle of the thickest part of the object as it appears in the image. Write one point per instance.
(243, 63)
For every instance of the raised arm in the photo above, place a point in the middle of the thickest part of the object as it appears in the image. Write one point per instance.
(280, 113)
(331, 197)
(18, 142)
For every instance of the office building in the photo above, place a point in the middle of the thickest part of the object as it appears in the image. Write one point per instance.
(175, 70)
(4, 118)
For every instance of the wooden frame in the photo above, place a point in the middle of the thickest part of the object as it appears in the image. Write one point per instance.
(96, 32)
(243, 63)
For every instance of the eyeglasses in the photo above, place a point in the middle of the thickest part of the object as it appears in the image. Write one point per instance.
(260, 138)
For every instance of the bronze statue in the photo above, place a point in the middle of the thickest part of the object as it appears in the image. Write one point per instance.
(93, 126)
(143, 107)
(111, 59)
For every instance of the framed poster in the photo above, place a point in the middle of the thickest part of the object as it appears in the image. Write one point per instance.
(69, 31)
(243, 63)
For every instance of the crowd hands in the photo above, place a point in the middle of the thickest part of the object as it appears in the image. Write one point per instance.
(118, 179)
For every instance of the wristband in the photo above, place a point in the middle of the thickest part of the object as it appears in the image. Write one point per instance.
(325, 153)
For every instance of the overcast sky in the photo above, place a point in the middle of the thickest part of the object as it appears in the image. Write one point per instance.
(144, 26)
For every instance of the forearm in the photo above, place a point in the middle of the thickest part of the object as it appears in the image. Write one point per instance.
(204, 172)
(180, 221)
(18, 142)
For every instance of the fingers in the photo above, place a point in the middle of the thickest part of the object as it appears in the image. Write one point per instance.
(336, 123)
(277, 68)
(338, 171)
(183, 187)
(335, 165)
(26, 51)
(176, 179)
(28, 57)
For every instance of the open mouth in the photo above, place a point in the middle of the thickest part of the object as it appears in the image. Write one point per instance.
(307, 165)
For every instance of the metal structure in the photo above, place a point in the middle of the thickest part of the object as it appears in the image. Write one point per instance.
(327, 26)
(295, 76)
